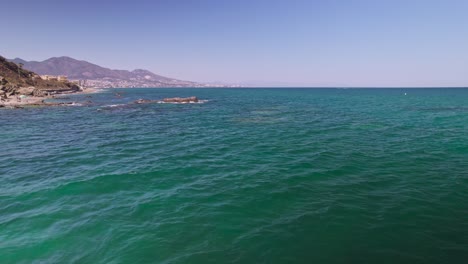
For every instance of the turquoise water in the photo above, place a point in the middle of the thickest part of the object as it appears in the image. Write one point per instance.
(252, 176)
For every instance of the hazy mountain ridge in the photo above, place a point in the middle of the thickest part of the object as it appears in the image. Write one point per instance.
(100, 76)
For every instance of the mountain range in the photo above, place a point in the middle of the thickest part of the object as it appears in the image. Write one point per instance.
(101, 77)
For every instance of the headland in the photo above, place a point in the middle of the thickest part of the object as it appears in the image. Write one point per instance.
(20, 87)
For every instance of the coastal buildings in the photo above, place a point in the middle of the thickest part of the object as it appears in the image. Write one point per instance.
(60, 78)
(138, 83)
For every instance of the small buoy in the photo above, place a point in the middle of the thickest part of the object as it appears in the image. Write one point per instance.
(405, 93)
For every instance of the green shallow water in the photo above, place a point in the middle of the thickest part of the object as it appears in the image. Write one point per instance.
(252, 176)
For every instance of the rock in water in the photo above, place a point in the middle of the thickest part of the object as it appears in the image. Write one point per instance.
(174, 100)
(192, 99)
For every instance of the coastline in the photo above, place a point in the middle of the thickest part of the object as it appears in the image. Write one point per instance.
(20, 101)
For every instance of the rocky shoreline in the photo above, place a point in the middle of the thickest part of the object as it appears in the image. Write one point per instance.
(23, 101)
(33, 100)
(20, 87)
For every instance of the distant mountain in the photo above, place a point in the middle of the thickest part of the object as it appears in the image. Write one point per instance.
(100, 76)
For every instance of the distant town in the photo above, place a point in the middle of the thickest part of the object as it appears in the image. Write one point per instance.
(139, 83)
(135, 83)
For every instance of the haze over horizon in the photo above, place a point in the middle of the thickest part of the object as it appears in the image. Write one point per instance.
(315, 43)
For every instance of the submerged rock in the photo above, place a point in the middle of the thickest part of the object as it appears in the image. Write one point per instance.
(192, 99)
(174, 100)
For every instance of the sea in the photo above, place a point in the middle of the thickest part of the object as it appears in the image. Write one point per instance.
(264, 175)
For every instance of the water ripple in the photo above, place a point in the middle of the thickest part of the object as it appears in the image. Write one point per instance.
(268, 175)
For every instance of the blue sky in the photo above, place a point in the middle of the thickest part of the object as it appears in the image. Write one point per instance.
(290, 42)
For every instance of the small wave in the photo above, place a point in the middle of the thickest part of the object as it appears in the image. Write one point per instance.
(74, 104)
(113, 105)
(191, 102)
(443, 109)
